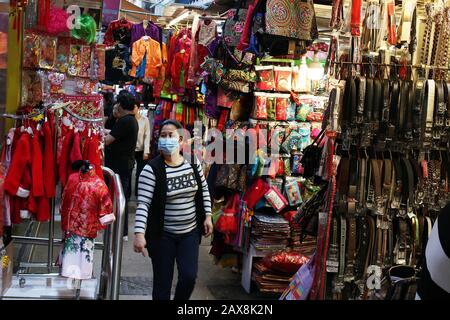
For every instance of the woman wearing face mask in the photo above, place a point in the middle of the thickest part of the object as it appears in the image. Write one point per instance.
(174, 211)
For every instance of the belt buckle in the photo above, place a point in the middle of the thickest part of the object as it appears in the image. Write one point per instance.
(440, 122)
(436, 135)
(442, 108)
(447, 122)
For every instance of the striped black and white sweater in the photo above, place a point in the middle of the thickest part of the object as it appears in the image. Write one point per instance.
(180, 215)
(435, 278)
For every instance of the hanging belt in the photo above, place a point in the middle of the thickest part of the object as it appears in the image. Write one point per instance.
(428, 112)
(396, 201)
(351, 220)
(372, 231)
(376, 103)
(377, 167)
(332, 264)
(440, 109)
(393, 113)
(447, 98)
(410, 209)
(402, 112)
(366, 134)
(418, 100)
(361, 95)
(409, 113)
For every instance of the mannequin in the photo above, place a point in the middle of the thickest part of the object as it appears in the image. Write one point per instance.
(86, 208)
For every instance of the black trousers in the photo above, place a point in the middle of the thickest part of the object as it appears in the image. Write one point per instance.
(140, 164)
(170, 248)
(125, 170)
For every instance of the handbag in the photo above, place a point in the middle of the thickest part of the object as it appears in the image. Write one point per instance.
(240, 75)
(312, 155)
(239, 86)
(234, 25)
(227, 223)
(291, 19)
(255, 193)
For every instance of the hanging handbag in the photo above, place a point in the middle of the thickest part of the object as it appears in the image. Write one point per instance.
(312, 155)
(227, 223)
(234, 25)
(255, 193)
(291, 19)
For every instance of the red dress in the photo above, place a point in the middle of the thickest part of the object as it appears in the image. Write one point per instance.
(86, 205)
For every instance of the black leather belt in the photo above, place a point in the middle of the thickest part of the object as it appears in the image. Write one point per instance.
(447, 98)
(440, 110)
(368, 100)
(409, 114)
(393, 113)
(386, 101)
(402, 112)
(417, 114)
(376, 101)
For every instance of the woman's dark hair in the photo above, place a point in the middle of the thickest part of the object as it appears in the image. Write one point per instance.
(109, 97)
(175, 123)
(126, 100)
(83, 165)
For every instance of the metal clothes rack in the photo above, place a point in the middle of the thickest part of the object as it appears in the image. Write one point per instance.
(418, 66)
(112, 244)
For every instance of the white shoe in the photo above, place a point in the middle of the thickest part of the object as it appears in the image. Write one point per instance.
(125, 238)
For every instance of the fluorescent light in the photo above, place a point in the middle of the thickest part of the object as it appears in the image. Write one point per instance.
(179, 18)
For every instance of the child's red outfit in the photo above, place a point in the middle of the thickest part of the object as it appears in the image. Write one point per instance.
(86, 208)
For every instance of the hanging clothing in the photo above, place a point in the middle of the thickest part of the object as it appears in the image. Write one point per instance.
(207, 32)
(63, 163)
(152, 31)
(154, 57)
(179, 70)
(86, 205)
(49, 162)
(118, 31)
(93, 153)
(18, 179)
(36, 167)
(117, 64)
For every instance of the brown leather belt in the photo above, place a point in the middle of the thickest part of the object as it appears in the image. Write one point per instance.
(351, 220)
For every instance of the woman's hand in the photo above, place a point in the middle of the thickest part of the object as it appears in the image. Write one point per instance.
(139, 243)
(208, 226)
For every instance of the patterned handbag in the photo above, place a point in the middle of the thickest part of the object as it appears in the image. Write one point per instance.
(234, 25)
(291, 19)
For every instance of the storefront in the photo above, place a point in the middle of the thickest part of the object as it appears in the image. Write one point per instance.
(323, 128)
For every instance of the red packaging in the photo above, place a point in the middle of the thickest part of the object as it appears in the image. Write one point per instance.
(282, 104)
(260, 109)
(283, 78)
(265, 78)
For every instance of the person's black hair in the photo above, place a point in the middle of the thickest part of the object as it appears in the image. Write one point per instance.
(108, 96)
(167, 122)
(126, 100)
(83, 165)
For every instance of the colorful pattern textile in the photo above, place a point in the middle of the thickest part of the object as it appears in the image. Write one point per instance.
(234, 26)
(290, 18)
(86, 205)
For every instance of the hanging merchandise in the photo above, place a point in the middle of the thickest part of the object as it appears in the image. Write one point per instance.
(87, 29)
(292, 19)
